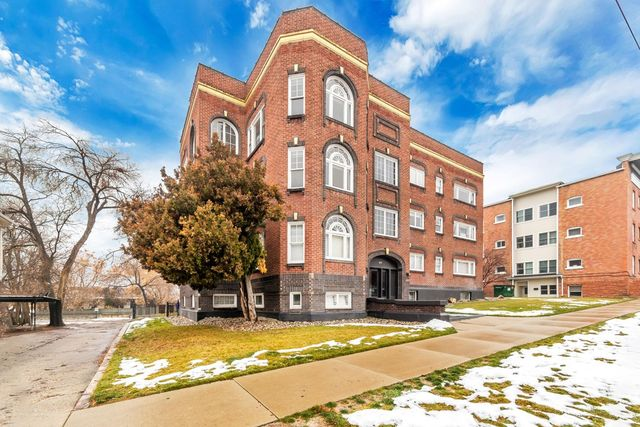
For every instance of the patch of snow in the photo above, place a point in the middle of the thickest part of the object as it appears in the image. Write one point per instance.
(356, 341)
(329, 344)
(137, 374)
(530, 313)
(196, 362)
(592, 364)
(137, 324)
(438, 325)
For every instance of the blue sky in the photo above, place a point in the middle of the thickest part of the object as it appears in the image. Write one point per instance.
(541, 91)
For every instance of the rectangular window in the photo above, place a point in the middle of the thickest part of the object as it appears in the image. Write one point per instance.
(385, 222)
(224, 301)
(547, 266)
(524, 215)
(416, 219)
(413, 295)
(439, 224)
(575, 290)
(464, 194)
(464, 267)
(337, 300)
(295, 300)
(258, 299)
(296, 167)
(439, 185)
(524, 241)
(633, 199)
(416, 261)
(255, 134)
(193, 301)
(574, 232)
(438, 265)
(464, 231)
(547, 238)
(550, 209)
(524, 268)
(416, 176)
(574, 202)
(501, 244)
(501, 269)
(386, 169)
(500, 218)
(295, 239)
(296, 94)
(574, 264)
(184, 301)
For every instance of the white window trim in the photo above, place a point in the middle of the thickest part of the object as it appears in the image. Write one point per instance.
(291, 304)
(222, 138)
(304, 92)
(420, 215)
(464, 261)
(456, 228)
(254, 300)
(420, 255)
(548, 215)
(385, 159)
(500, 247)
(457, 187)
(581, 266)
(348, 169)
(501, 272)
(524, 217)
(575, 236)
(439, 220)
(524, 268)
(439, 185)
(386, 211)
(234, 305)
(349, 103)
(293, 150)
(253, 140)
(349, 235)
(413, 295)
(438, 264)
(496, 221)
(415, 170)
(337, 294)
(569, 291)
(574, 206)
(289, 260)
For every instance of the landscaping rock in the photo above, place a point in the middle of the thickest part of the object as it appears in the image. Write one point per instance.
(265, 323)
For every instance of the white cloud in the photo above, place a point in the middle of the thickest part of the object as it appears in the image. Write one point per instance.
(403, 60)
(202, 53)
(70, 40)
(259, 14)
(99, 66)
(575, 132)
(30, 82)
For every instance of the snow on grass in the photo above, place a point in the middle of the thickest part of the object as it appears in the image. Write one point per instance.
(137, 324)
(586, 375)
(529, 313)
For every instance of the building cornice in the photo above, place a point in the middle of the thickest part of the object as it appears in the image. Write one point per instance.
(445, 159)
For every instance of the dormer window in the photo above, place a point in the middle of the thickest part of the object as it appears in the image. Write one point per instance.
(339, 100)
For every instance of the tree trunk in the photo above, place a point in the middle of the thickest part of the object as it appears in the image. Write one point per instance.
(247, 303)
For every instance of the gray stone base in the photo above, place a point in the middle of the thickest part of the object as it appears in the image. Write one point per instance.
(429, 294)
(408, 316)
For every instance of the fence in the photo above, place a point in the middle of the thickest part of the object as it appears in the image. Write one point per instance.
(133, 312)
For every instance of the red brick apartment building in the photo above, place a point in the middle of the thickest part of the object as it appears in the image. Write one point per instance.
(575, 239)
(378, 213)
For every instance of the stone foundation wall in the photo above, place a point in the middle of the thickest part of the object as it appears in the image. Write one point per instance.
(406, 310)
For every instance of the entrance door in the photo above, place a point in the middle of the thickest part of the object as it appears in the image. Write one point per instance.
(384, 275)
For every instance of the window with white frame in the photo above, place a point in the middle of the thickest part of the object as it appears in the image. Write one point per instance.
(386, 169)
(413, 295)
(439, 185)
(439, 224)
(338, 239)
(339, 100)
(296, 167)
(524, 268)
(548, 289)
(501, 269)
(524, 215)
(337, 300)
(416, 219)
(524, 241)
(501, 244)
(575, 290)
(295, 241)
(574, 202)
(258, 299)
(574, 263)
(547, 266)
(464, 194)
(416, 176)
(464, 231)
(193, 146)
(416, 261)
(296, 94)
(462, 267)
(339, 168)
(385, 222)
(547, 238)
(255, 134)
(633, 199)
(438, 264)
(548, 209)
(295, 300)
(574, 232)
(226, 133)
(225, 301)
(499, 218)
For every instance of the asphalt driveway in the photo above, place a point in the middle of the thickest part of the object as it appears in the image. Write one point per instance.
(43, 373)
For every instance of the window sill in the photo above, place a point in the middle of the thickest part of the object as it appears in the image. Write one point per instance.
(417, 229)
(386, 184)
(464, 275)
(465, 203)
(339, 261)
(295, 190)
(293, 117)
(439, 194)
(341, 123)
(464, 238)
(575, 206)
(574, 268)
(503, 247)
(255, 150)
(295, 264)
(419, 187)
(338, 190)
(574, 237)
(417, 271)
(382, 236)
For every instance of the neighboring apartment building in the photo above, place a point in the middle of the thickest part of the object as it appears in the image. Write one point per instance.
(375, 209)
(575, 239)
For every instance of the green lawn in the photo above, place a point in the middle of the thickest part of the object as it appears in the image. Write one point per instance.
(180, 346)
(529, 307)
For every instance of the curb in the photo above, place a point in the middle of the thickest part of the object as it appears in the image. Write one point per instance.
(85, 398)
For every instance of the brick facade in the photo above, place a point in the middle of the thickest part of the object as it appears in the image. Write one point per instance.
(307, 41)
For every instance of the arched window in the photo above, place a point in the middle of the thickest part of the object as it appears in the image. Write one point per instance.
(339, 100)
(192, 142)
(227, 133)
(339, 168)
(338, 239)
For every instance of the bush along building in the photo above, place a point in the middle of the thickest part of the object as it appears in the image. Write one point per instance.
(381, 218)
(570, 239)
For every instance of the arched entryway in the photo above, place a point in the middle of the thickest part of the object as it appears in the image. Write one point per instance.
(385, 277)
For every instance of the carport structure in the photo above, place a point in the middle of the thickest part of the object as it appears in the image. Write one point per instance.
(55, 307)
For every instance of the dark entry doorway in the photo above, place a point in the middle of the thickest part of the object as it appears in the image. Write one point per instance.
(384, 278)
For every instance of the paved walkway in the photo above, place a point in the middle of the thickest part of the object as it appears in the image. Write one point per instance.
(43, 373)
(264, 397)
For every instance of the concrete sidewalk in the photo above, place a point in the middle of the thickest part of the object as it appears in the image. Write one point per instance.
(264, 397)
